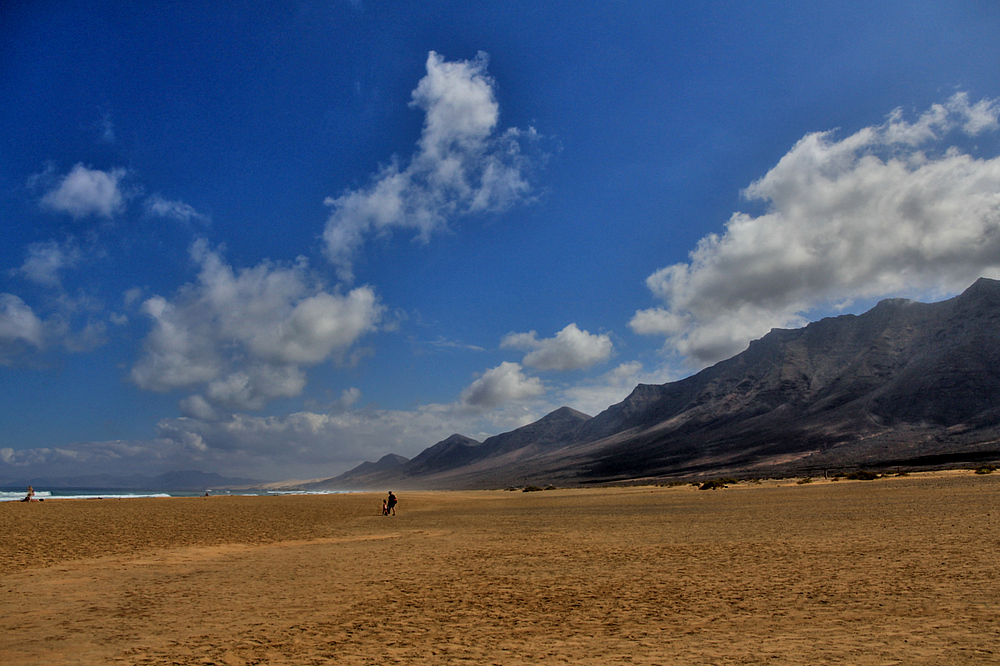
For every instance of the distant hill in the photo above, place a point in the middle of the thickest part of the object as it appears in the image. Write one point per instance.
(904, 384)
(460, 456)
(364, 476)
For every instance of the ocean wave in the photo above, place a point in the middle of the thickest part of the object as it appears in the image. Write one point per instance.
(18, 495)
(98, 493)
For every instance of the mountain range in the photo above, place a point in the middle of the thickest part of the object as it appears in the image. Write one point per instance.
(906, 384)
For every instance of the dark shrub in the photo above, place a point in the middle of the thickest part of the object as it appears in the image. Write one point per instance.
(863, 475)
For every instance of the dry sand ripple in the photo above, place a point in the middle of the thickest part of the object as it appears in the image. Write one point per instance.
(899, 570)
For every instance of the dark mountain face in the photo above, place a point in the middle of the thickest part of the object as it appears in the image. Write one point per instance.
(551, 431)
(387, 463)
(904, 381)
(902, 372)
(453, 452)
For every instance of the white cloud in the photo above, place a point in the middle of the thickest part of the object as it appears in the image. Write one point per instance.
(253, 387)
(570, 349)
(84, 192)
(500, 385)
(299, 445)
(312, 444)
(349, 397)
(462, 165)
(244, 337)
(45, 261)
(866, 216)
(196, 407)
(19, 326)
(316, 444)
(178, 211)
(150, 456)
(68, 322)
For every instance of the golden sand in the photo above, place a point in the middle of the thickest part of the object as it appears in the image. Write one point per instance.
(895, 571)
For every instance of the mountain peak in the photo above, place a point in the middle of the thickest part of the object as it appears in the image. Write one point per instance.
(564, 414)
(983, 289)
(458, 439)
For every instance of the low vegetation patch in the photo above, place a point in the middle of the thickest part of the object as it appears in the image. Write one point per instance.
(804, 480)
(986, 469)
(862, 475)
(718, 483)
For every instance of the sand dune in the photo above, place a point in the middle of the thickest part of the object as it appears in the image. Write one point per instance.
(899, 570)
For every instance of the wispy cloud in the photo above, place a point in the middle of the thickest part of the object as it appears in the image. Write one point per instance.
(107, 129)
(69, 323)
(888, 210)
(46, 260)
(178, 211)
(462, 165)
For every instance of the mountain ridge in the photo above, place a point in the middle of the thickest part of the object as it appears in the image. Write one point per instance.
(904, 381)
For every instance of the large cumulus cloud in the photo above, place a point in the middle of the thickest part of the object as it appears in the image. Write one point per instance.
(894, 209)
(570, 349)
(462, 165)
(243, 337)
(500, 385)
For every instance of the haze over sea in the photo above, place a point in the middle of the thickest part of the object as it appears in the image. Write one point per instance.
(16, 495)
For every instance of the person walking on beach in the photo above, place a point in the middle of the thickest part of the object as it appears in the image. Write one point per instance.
(385, 508)
(390, 504)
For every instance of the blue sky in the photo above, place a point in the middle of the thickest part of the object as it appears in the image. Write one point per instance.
(277, 239)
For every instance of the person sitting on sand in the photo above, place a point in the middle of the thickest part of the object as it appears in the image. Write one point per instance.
(391, 504)
(30, 497)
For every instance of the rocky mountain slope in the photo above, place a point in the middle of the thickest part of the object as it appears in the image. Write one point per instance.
(906, 383)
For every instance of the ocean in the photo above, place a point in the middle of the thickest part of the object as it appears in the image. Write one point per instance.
(9, 494)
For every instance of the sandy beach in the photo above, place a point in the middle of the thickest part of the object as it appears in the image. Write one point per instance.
(901, 570)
